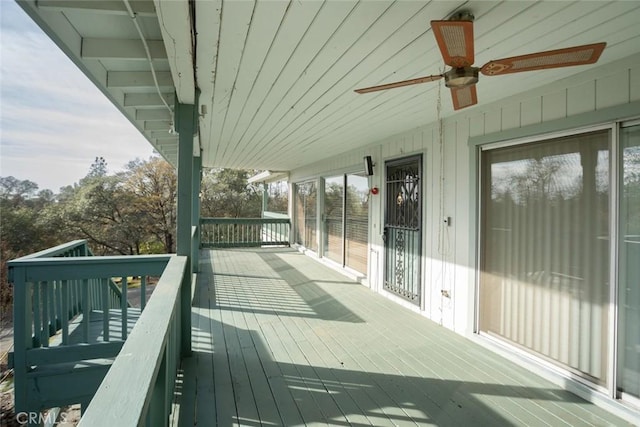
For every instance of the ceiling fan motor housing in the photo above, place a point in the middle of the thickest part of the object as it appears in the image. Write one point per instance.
(461, 77)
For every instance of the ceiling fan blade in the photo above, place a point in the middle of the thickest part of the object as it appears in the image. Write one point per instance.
(455, 40)
(577, 55)
(400, 84)
(464, 97)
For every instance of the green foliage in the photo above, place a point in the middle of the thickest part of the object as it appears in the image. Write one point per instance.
(154, 187)
(226, 194)
(278, 197)
(22, 230)
(98, 168)
(127, 213)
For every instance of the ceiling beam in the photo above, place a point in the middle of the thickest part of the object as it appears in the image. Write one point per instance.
(169, 149)
(147, 99)
(160, 134)
(177, 34)
(157, 125)
(121, 49)
(115, 7)
(153, 114)
(138, 79)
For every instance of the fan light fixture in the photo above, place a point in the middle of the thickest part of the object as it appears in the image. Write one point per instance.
(461, 77)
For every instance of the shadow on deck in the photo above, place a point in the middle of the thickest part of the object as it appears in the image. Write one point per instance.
(280, 339)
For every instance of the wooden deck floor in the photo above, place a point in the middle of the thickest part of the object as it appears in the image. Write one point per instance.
(280, 339)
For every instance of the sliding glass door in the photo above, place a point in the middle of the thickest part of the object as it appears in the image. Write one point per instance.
(545, 249)
(346, 220)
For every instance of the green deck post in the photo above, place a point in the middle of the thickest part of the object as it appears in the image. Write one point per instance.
(21, 335)
(195, 209)
(185, 118)
(265, 198)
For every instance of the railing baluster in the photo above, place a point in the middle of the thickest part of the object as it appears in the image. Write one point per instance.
(37, 321)
(44, 331)
(106, 304)
(59, 314)
(143, 291)
(242, 232)
(64, 292)
(52, 310)
(78, 297)
(71, 286)
(124, 307)
(86, 310)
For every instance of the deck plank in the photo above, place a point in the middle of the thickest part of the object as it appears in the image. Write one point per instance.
(280, 339)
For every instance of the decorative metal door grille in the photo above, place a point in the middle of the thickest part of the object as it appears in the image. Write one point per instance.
(402, 231)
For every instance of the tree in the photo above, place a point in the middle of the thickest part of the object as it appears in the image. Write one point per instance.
(98, 168)
(22, 230)
(226, 194)
(100, 210)
(15, 190)
(278, 200)
(154, 185)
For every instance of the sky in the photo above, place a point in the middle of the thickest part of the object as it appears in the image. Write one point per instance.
(53, 121)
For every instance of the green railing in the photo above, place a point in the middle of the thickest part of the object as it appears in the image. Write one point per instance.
(70, 321)
(139, 387)
(244, 232)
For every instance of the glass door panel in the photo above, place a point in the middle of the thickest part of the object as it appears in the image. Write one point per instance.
(544, 282)
(629, 259)
(332, 219)
(357, 222)
(306, 208)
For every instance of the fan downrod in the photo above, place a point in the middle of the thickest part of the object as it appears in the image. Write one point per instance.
(464, 15)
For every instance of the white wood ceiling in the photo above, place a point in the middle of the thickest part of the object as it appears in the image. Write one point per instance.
(277, 77)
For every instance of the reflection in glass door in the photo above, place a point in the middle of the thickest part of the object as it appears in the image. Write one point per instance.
(332, 220)
(357, 222)
(629, 270)
(544, 284)
(345, 221)
(306, 201)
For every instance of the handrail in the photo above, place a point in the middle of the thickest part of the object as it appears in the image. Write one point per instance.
(138, 388)
(65, 249)
(206, 220)
(64, 294)
(244, 232)
(74, 248)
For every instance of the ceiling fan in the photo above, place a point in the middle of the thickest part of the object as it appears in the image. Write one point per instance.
(455, 40)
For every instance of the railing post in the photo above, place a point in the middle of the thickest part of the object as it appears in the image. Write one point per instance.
(185, 118)
(21, 335)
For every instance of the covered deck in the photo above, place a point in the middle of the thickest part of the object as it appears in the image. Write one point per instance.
(280, 339)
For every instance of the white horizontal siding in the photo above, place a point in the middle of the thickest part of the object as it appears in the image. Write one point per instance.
(448, 258)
